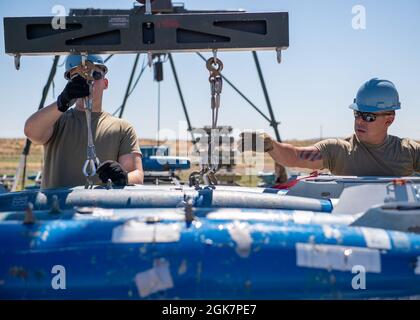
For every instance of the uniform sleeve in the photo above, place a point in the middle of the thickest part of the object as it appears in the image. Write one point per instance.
(58, 125)
(129, 142)
(329, 149)
(416, 158)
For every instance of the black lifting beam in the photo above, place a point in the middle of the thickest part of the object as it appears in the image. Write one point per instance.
(139, 33)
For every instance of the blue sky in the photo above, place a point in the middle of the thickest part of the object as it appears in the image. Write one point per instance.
(326, 63)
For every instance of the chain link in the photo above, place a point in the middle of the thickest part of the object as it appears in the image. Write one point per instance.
(214, 66)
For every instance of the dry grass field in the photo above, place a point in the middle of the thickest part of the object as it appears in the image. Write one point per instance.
(10, 150)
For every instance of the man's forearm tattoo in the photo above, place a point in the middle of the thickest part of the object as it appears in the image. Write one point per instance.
(310, 155)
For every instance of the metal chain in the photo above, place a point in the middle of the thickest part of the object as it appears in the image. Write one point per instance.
(214, 66)
(85, 69)
(207, 173)
(92, 161)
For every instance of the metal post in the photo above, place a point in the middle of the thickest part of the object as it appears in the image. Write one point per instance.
(109, 57)
(181, 96)
(280, 170)
(25, 152)
(127, 92)
(273, 121)
(239, 92)
(158, 115)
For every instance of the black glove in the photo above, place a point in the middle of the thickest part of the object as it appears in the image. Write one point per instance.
(75, 88)
(112, 170)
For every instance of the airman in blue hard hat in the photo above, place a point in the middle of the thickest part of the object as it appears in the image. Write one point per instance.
(374, 110)
(62, 131)
(77, 86)
(370, 151)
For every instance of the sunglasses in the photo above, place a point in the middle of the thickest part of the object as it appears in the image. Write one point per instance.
(368, 116)
(97, 75)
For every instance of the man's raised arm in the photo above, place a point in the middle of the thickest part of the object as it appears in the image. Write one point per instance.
(40, 126)
(282, 153)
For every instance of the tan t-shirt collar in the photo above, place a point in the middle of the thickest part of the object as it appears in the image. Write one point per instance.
(372, 145)
(81, 113)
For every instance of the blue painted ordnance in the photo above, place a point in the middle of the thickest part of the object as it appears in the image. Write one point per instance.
(211, 259)
(165, 163)
(131, 198)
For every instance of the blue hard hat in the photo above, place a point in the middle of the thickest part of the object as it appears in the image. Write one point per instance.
(376, 95)
(74, 60)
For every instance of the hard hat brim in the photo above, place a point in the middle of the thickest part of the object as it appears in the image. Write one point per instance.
(363, 108)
